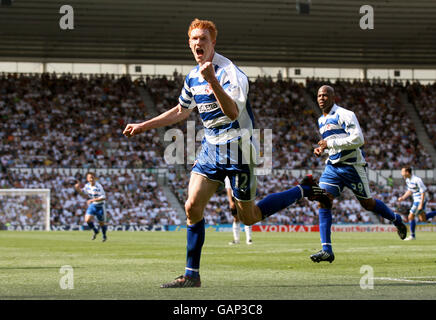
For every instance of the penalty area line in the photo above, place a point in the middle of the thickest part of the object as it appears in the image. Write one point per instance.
(405, 280)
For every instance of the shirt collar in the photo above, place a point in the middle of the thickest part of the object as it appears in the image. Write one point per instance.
(332, 111)
(215, 58)
(334, 108)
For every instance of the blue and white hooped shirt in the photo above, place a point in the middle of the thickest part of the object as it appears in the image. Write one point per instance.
(344, 137)
(416, 186)
(95, 192)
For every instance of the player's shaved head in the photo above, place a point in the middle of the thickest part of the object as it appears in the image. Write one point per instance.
(329, 89)
(325, 98)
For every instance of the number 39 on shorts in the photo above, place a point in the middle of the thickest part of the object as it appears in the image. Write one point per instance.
(358, 187)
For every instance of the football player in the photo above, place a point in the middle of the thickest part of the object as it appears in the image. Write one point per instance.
(96, 204)
(342, 140)
(417, 188)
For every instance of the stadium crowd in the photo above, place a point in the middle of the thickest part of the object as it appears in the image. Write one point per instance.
(390, 138)
(67, 121)
(423, 97)
(132, 199)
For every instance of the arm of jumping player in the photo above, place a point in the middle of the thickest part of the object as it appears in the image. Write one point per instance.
(407, 194)
(172, 116)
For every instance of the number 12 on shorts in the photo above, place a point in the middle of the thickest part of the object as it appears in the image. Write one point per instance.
(241, 180)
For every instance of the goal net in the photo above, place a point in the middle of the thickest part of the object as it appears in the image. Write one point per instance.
(25, 209)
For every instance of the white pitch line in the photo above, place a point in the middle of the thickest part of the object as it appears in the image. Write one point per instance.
(404, 280)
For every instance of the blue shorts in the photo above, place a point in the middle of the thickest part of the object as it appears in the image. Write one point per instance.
(237, 164)
(336, 177)
(98, 211)
(414, 208)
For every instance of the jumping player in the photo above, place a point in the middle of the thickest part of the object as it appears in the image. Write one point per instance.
(345, 167)
(96, 204)
(219, 90)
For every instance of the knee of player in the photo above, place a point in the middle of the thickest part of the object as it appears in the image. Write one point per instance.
(192, 210)
(325, 205)
(368, 204)
(327, 202)
(248, 221)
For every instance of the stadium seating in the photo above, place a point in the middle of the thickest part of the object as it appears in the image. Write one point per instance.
(133, 199)
(423, 97)
(77, 121)
(70, 121)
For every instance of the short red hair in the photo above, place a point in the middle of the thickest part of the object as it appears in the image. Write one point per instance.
(203, 24)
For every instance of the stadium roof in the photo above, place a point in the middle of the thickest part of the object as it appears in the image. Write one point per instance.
(252, 32)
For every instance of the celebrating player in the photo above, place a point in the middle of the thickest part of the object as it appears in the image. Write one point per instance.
(345, 167)
(417, 188)
(219, 90)
(96, 204)
(235, 225)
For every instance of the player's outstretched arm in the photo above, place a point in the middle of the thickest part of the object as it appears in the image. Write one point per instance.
(407, 194)
(172, 116)
(78, 188)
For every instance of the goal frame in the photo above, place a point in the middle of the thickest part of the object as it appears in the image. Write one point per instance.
(26, 192)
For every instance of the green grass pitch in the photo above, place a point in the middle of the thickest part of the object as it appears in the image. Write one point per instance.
(132, 265)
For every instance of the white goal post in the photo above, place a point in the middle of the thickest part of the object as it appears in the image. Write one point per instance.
(26, 192)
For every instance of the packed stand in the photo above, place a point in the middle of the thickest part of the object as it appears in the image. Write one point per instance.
(281, 107)
(66, 121)
(423, 97)
(132, 199)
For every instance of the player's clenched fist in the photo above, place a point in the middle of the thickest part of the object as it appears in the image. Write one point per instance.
(318, 151)
(322, 146)
(132, 129)
(207, 71)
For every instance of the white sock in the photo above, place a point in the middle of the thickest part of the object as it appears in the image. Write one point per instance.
(248, 232)
(235, 231)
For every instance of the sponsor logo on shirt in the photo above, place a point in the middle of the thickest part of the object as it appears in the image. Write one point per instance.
(207, 107)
